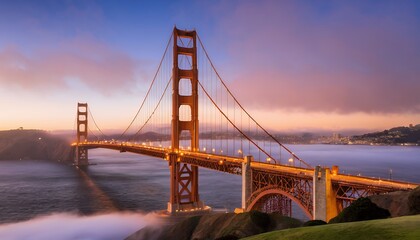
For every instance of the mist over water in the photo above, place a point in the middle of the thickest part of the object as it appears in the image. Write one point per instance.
(107, 201)
(67, 226)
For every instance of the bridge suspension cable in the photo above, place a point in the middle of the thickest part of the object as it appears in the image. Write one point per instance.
(226, 128)
(153, 113)
(147, 93)
(240, 129)
(96, 125)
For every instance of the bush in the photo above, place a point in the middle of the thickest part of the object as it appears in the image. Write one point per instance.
(314, 223)
(228, 237)
(261, 219)
(360, 210)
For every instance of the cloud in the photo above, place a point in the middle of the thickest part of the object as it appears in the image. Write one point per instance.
(85, 60)
(332, 57)
(67, 226)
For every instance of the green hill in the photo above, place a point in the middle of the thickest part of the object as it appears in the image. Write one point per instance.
(407, 227)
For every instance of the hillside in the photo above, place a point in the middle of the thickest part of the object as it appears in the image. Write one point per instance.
(33, 145)
(393, 228)
(230, 226)
(218, 226)
(398, 135)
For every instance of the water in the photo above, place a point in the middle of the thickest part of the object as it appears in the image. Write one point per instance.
(130, 182)
(374, 161)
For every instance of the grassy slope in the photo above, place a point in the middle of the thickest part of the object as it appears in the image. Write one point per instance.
(392, 228)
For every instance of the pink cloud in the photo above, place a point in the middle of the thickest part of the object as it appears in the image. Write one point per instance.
(93, 63)
(345, 59)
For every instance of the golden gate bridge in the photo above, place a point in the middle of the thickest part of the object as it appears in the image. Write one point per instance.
(191, 119)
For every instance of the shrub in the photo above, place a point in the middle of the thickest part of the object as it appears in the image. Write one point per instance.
(314, 223)
(228, 237)
(260, 219)
(360, 210)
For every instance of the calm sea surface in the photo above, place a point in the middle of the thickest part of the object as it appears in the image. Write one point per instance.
(129, 182)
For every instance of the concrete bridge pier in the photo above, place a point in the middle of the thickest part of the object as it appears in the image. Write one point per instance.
(246, 181)
(324, 197)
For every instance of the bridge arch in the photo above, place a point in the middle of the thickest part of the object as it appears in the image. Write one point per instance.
(259, 196)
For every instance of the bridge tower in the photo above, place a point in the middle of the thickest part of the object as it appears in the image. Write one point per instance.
(81, 158)
(184, 178)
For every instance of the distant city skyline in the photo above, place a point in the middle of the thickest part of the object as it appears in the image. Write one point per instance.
(294, 65)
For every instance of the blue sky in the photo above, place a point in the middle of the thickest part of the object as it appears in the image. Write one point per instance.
(323, 64)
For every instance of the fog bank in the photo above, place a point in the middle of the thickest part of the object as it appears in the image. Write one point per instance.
(70, 226)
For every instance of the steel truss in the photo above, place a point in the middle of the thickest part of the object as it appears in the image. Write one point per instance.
(346, 193)
(296, 188)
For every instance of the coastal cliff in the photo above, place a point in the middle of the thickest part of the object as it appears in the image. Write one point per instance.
(227, 226)
(33, 145)
(230, 226)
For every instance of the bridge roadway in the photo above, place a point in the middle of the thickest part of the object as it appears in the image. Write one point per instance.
(233, 165)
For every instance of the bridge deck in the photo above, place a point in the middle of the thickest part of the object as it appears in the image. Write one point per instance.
(233, 165)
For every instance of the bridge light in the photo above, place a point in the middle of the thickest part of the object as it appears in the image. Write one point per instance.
(143, 143)
(268, 159)
(204, 149)
(213, 150)
(220, 162)
(239, 151)
(189, 148)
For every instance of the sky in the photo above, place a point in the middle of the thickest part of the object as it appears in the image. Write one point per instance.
(294, 65)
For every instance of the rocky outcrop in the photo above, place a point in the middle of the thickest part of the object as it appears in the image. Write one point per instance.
(33, 145)
(394, 202)
(400, 203)
(219, 226)
(414, 201)
(229, 226)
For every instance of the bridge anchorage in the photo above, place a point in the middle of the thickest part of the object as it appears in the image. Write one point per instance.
(223, 137)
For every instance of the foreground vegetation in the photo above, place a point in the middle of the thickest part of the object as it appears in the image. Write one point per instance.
(407, 227)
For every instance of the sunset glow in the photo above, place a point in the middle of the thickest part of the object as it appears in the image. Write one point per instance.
(294, 65)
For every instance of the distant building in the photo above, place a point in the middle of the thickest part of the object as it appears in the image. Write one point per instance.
(336, 136)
